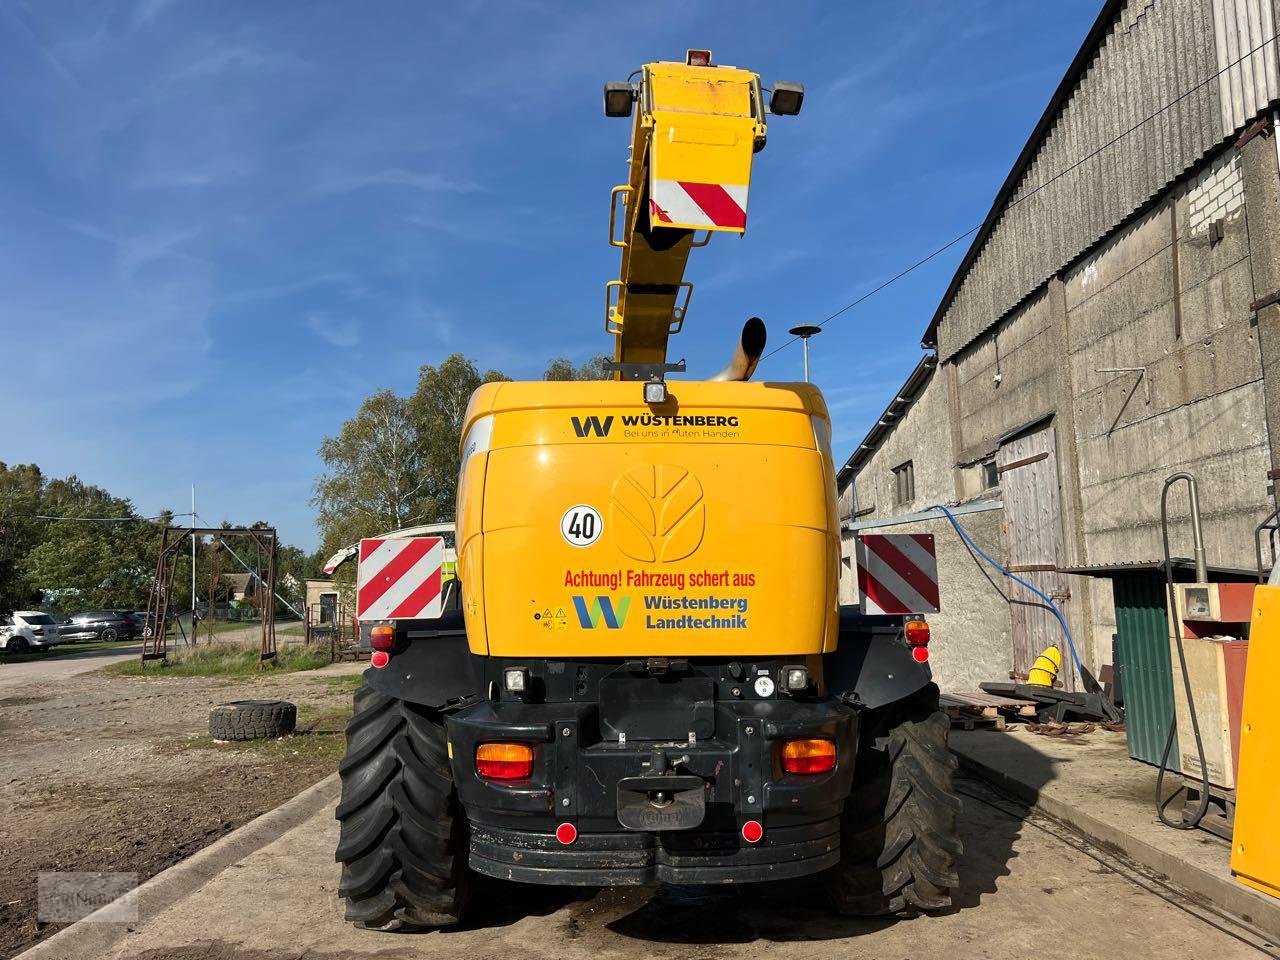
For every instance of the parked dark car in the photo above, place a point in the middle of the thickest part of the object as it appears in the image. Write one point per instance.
(103, 625)
(138, 618)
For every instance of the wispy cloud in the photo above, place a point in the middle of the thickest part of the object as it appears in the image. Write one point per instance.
(135, 252)
(427, 181)
(148, 10)
(288, 288)
(233, 57)
(341, 332)
(29, 36)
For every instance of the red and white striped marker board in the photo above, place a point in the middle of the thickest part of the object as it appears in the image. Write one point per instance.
(897, 573)
(399, 579)
(683, 203)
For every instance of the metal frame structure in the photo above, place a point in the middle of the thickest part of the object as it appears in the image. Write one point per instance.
(155, 643)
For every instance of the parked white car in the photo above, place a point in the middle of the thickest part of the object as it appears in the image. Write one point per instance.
(28, 630)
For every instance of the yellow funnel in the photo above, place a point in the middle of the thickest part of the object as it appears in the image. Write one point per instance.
(1045, 670)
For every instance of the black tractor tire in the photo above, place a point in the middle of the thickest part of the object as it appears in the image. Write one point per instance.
(253, 720)
(404, 838)
(899, 842)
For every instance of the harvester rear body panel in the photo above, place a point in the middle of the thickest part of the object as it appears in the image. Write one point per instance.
(691, 552)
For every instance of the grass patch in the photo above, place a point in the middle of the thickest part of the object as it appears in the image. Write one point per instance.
(328, 745)
(253, 627)
(320, 735)
(63, 650)
(225, 660)
(346, 683)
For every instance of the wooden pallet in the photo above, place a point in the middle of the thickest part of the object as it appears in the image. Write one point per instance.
(970, 710)
(961, 720)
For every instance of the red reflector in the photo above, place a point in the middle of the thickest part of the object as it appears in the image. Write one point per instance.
(380, 658)
(566, 833)
(382, 637)
(504, 761)
(808, 756)
(752, 831)
(920, 654)
(917, 632)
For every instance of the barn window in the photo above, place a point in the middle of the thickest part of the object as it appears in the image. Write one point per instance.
(904, 483)
(990, 475)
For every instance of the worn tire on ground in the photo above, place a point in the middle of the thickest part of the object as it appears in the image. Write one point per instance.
(252, 720)
(899, 842)
(404, 838)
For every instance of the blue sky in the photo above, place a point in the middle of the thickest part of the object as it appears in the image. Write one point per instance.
(223, 224)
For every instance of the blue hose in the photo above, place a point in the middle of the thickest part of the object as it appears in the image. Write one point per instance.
(1071, 645)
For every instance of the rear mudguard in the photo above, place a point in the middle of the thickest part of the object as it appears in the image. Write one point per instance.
(872, 666)
(432, 665)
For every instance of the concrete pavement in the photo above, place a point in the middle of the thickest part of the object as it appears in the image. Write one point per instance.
(1029, 888)
(1090, 782)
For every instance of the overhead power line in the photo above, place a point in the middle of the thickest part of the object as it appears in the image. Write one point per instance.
(1031, 193)
(45, 516)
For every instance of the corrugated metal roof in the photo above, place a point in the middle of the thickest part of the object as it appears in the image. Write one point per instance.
(1139, 57)
(917, 380)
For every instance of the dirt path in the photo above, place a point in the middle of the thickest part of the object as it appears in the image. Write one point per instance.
(1029, 887)
(104, 773)
(59, 665)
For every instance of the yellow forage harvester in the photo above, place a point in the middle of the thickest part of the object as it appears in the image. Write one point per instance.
(646, 674)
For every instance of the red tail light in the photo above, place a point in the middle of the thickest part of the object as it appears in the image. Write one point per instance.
(752, 831)
(808, 756)
(383, 637)
(917, 633)
(504, 761)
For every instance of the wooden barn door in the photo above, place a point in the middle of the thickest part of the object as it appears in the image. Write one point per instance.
(1028, 469)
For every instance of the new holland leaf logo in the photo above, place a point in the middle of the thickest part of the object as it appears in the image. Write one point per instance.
(658, 513)
(586, 426)
(601, 608)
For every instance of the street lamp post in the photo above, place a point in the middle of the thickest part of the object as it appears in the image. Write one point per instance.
(804, 331)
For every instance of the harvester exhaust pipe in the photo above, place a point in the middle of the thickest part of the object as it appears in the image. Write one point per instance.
(747, 356)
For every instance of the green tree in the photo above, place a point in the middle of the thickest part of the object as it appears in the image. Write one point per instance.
(87, 560)
(562, 368)
(21, 489)
(375, 473)
(437, 408)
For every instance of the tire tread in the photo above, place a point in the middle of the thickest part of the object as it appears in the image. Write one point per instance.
(403, 838)
(899, 841)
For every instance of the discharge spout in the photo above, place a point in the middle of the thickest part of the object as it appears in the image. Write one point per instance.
(747, 355)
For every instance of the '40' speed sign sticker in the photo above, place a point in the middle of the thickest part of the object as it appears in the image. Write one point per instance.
(581, 525)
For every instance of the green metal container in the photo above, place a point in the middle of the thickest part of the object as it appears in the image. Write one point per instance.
(1146, 676)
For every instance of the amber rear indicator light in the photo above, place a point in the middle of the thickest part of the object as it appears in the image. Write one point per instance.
(808, 756)
(917, 632)
(383, 637)
(504, 761)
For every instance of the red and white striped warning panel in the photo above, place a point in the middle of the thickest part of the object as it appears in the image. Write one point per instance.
(701, 205)
(897, 573)
(399, 579)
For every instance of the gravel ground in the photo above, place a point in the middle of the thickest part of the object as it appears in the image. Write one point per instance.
(103, 773)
